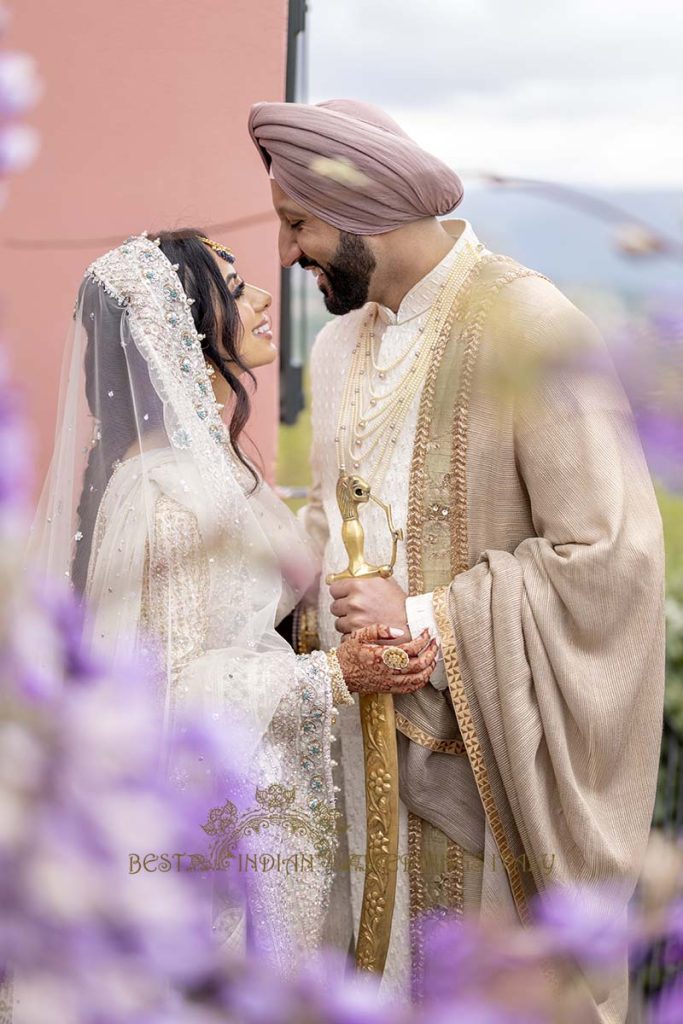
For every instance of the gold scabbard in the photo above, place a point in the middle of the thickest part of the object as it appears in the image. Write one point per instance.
(381, 824)
(379, 745)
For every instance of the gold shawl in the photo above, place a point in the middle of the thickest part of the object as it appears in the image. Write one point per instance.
(533, 518)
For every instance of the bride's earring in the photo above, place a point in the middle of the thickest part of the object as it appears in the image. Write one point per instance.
(211, 371)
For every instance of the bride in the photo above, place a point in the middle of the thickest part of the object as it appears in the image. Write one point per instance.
(187, 559)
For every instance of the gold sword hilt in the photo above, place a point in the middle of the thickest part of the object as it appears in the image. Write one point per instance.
(352, 492)
(396, 536)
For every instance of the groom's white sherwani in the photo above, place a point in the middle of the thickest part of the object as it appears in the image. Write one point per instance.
(330, 365)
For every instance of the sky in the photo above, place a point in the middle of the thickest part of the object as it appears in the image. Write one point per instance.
(587, 93)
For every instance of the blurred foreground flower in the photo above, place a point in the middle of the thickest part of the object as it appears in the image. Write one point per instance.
(648, 352)
(507, 974)
(18, 148)
(20, 86)
(80, 788)
(20, 89)
(15, 477)
(668, 1009)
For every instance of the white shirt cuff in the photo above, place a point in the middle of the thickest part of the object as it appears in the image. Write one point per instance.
(420, 615)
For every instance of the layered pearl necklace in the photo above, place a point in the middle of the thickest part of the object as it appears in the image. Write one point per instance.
(370, 422)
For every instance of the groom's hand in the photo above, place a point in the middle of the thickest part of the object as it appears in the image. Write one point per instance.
(362, 602)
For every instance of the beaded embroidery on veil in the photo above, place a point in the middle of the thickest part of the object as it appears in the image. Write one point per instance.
(177, 545)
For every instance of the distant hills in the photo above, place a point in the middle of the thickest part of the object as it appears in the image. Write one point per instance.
(572, 247)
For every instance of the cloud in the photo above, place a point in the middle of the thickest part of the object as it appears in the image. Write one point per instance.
(401, 51)
(585, 92)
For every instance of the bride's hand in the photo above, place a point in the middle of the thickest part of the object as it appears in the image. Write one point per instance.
(360, 658)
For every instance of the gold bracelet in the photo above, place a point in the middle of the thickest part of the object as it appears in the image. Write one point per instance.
(341, 695)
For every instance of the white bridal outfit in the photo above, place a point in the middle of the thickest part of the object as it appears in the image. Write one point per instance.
(150, 514)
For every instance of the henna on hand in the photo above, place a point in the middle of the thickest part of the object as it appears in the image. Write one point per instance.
(360, 658)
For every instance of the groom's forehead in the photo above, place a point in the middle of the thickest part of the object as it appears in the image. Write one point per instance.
(284, 205)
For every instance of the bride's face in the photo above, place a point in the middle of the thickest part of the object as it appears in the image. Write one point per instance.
(257, 347)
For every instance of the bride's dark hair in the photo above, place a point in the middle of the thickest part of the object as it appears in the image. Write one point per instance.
(215, 315)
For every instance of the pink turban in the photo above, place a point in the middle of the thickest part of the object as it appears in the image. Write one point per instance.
(351, 165)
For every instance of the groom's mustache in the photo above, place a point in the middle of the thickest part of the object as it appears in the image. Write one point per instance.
(306, 264)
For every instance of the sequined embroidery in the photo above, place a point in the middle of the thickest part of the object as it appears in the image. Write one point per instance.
(175, 594)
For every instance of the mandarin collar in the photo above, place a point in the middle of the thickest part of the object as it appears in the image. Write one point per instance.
(422, 295)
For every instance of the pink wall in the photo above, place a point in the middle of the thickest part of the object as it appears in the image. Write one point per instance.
(143, 125)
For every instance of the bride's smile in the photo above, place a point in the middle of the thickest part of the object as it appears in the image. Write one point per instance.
(257, 346)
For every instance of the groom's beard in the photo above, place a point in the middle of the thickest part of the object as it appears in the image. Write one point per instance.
(348, 275)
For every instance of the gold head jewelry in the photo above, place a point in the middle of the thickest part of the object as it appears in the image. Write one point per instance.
(352, 492)
(218, 248)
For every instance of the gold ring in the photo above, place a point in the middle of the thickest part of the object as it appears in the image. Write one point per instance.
(395, 658)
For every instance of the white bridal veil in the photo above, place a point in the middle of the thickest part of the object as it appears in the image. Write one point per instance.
(150, 515)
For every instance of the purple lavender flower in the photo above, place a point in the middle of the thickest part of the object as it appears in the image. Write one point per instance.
(648, 354)
(19, 85)
(339, 995)
(18, 148)
(674, 923)
(67, 618)
(668, 1008)
(15, 476)
(583, 923)
(476, 1009)
(661, 433)
(458, 958)
(82, 786)
(19, 90)
(256, 994)
(476, 974)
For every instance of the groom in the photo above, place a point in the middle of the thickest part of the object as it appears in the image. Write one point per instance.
(478, 402)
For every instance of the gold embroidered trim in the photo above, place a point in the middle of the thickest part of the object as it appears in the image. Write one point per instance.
(417, 735)
(470, 346)
(415, 516)
(455, 874)
(417, 901)
(469, 342)
(416, 511)
(434, 894)
(474, 752)
(459, 546)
